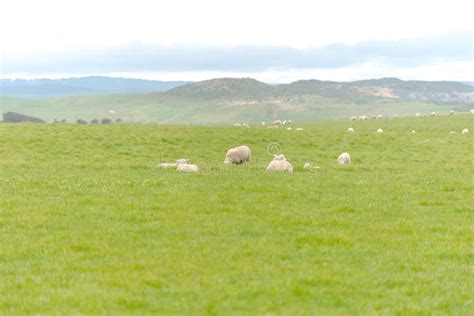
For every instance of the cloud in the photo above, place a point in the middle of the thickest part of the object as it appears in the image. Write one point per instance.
(137, 57)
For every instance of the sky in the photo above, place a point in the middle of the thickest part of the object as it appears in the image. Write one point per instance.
(273, 41)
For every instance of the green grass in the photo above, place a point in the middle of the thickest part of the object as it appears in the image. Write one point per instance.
(89, 224)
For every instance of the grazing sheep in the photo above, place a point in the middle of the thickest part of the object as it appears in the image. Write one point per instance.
(353, 118)
(284, 122)
(279, 163)
(363, 118)
(379, 130)
(289, 121)
(237, 125)
(417, 114)
(237, 155)
(472, 111)
(373, 117)
(379, 117)
(308, 165)
(245, 125)
(395, 115)
(299, 129)
(344, 159)
(350, 130)
(465, 131)
(451, 112)
(433, 114)
(189, 168)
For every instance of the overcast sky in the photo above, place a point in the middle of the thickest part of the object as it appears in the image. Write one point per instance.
(274, 41)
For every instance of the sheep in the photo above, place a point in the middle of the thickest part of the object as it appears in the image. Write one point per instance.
(451, 112)
(237, 155)
(413, 131)
(379, 130)
(465, 131)
(433, 114)
(289, 121)
(417, 114)
(363, 118)
(237, 125)
(379, 117)
(373, 117)
(344, 159)
(472, 111)
(263, 123)
(299, 129)
(279, 163)
(350, 130)
(289, 128)
(245, 125)
(189, 168)
(272, 126)
(277, 122)
(452, 132)
(167, 165)
(284, 122)
(395, 115)
(353, 118)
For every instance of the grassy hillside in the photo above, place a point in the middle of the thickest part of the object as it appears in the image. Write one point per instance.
(91, 225)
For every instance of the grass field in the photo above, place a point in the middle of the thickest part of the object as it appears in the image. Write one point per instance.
(89, 224)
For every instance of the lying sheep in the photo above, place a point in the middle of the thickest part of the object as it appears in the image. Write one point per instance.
(167, 165)
(237, 155)
(189, 168)
(350, 130)
(379, 130)
(299, 129)
(465, 131)
(344, 159)
(417, 114)
(279, 163)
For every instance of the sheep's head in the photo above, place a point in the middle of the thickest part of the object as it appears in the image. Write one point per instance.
(279, 157)
(181, 161)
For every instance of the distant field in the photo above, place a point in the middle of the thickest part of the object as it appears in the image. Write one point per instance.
(90, 225)
(158, 107)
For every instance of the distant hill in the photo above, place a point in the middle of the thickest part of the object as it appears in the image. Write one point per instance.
(224, 88)
(93, 85)
(229, 100)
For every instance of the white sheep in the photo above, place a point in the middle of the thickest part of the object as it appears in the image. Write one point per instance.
(344, 159)
(363, 118)
(433, 114)
(379, 117)
(189, 168)
(299, 129)
(237, 155)
(472, 111)
(237, 125)
(452, 132)
(279, 163)
(289, 128)
(350, 130)
(465, 131)
(277, 122)
(373, 117)
(413, 131)
(379, 130)
(417, 114)
(451, 112)
(353, 118)
(167, 165)
(245, 125)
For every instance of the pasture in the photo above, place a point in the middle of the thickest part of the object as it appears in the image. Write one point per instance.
(89, 223)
